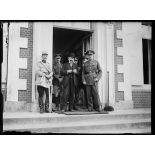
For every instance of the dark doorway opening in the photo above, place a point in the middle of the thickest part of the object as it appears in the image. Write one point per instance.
(146, 60)
(70, 40)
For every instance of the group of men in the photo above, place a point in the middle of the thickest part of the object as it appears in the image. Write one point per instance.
(65, 79)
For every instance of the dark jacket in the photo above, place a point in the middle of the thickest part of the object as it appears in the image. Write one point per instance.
(57, 74)
(69, 76)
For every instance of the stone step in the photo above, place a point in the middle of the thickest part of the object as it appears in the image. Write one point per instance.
(36, 118)
(123, 121)
(74, 127)
(146, 130)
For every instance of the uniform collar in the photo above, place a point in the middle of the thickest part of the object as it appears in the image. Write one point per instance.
(43, 61)
(90, 60)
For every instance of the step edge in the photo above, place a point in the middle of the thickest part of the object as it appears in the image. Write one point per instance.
(47, 125)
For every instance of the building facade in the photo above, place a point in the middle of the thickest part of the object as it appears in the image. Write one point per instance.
(123, 50)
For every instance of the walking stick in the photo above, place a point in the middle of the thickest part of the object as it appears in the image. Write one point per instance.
(50, 95)
(59, 95)
(50, 98)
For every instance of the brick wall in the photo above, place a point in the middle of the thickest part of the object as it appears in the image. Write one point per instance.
(26, 95)
(119, 77)
(141, 98)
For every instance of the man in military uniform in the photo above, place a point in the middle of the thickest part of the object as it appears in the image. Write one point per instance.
(70, 72)
(43, 81)
(57, 81)
(91, 75)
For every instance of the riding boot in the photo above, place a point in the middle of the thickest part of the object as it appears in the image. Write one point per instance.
(70, 106)
(41, 105)
(47, 105)
(66, 107)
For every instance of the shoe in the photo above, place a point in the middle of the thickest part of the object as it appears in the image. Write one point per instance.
(75, 108)
(41, 111)
(90, 109)
(46, 111)
(63, 110)
(58, 108)
(70, 110)
(98, 110)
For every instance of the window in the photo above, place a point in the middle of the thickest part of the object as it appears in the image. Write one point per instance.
(147, 60)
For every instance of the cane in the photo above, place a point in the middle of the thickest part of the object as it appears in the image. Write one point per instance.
(60, 91)
(50, 97)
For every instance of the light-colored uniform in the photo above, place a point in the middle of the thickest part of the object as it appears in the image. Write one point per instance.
(43, 84)
(41, 80)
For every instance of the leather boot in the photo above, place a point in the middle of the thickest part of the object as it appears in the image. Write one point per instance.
(41, 105)
(41, 110)
(47, 107)
(90, 109)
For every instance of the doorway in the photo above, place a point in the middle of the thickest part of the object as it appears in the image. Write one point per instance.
(66, 41)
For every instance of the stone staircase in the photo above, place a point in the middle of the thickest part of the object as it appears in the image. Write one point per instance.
(135, 121)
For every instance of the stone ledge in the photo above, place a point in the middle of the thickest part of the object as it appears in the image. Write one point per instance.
(14, 106)
(123, 105)
(22, 106)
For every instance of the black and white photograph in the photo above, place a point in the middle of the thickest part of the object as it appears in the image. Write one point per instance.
(76, 77)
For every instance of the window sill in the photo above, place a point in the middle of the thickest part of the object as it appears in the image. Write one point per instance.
(145, 87)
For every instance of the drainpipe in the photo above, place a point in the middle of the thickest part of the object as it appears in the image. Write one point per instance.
(1, 46)
(7, 41)
(107, 106)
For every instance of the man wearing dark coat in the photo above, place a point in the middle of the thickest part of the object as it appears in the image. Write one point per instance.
(57, 81)
(91, 75)
(79, 81)
(70, 72)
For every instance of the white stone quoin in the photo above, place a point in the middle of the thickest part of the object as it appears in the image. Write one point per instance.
(124, 68)
(110, 64)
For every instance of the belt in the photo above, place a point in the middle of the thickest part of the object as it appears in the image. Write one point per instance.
(90, 72)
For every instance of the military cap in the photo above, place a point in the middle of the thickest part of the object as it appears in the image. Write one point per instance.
(89, 52)
(58, 56)
(72, 55)
(44, 53)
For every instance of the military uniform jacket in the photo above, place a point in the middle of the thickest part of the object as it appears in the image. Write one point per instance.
(91, 70)
(67, 76)
(41, 68)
